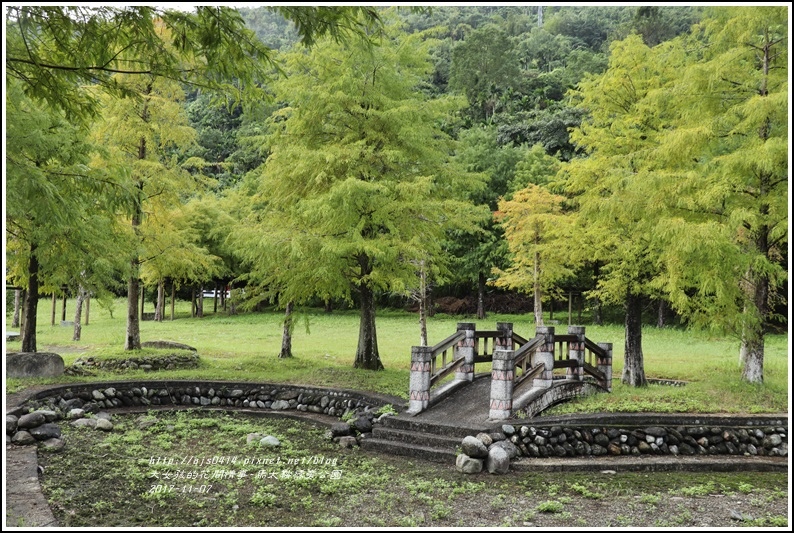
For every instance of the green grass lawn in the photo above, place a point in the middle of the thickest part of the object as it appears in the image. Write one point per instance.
(245, 347)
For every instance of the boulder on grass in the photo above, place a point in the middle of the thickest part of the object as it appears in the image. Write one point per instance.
(34, 365)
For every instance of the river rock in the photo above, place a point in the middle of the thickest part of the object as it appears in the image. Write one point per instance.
(498, 461)
(468, 465)
(31, 420)
(473, 447)
(46, 431)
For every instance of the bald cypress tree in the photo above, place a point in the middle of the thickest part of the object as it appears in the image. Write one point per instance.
(359, 183)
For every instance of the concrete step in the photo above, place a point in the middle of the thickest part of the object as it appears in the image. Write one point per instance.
(407, 423)
(413, 437)
(427, 453)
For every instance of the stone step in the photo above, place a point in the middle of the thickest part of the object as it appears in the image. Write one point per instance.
(417, 425)
(413, 437)
(426, 453)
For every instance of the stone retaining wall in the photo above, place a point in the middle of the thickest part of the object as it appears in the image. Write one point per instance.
(102, 396)
(495, 449)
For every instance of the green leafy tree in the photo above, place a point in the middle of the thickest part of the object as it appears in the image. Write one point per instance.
(613, 185)
(479, 251)
(56, 50)
(183, 246)
(142, 133)
(537, 231)
(485, 69)
(727, 153)
(60, 208)
(359, 182)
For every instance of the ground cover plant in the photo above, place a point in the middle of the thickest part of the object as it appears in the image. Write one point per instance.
(175, 469)
(245, 346)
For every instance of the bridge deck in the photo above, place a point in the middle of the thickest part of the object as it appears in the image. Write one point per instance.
(467, 407)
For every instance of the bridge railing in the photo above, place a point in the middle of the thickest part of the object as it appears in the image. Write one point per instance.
(537, 360)
(514, 360)
(458, 354)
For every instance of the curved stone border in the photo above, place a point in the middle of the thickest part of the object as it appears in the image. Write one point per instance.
(26, 505)
(94, 397)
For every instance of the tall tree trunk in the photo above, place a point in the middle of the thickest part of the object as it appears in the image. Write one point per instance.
(422, 304)
(660, 314)
(133, 339)
(200, 302)
(481, 296)
(54, 307)
(538, 307)
(215, 299)
(367, 356)
(752, 350)
(63, 310)
(328, 306)
(633, 366)
(87, 307)
(78, 312)
(753, 333)
(286, 336)
(159, 308)
(15, 319)
(173, 298)
(598, 318)
(551, 309)
(570, 306)
(31, 304)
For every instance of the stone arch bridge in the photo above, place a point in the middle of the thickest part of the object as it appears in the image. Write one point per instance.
(527, 376)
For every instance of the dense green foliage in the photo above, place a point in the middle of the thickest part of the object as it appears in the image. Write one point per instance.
(349, 156)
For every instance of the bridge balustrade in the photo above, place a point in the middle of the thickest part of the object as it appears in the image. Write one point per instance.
(514, 359)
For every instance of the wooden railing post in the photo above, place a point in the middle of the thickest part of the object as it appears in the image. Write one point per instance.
(545, 355)
(505, 338)
(605, 364)
(465, 349)
(419, 389)
(502, 376)
(576, 352)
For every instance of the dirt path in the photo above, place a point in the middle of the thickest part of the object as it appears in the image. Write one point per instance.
(25, 504)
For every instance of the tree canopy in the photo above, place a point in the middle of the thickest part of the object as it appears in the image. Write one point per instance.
(359, 183)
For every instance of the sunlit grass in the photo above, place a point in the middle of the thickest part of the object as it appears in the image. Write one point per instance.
(244, 347)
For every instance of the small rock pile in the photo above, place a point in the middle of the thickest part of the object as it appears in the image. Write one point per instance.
(350, 434)
(40, 427)
(147, 363)
(492, 450)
